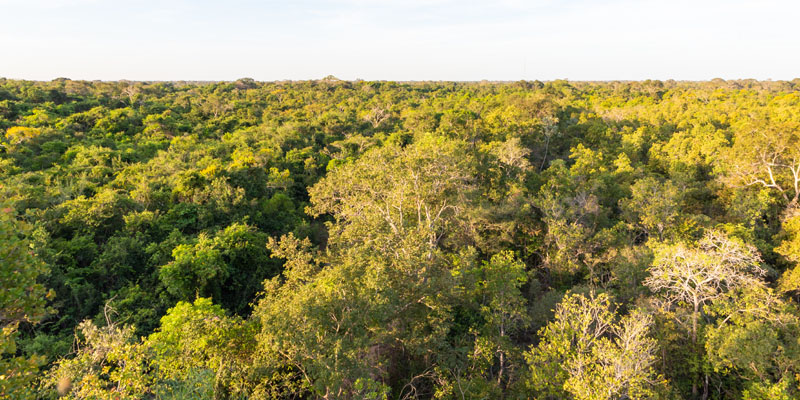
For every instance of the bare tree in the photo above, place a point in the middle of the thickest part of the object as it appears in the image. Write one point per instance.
(131, 91)
(377, 116)
(698, 275)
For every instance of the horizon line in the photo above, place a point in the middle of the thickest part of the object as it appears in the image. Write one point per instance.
(335, 79)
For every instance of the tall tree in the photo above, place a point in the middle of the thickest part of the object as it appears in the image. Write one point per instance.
(684, 275)
(428, 187)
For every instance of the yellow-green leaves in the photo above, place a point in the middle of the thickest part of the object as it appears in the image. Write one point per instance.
(654, 206)
(110, 364)
(19, 134)
(427, 187)
(766, 153)
(22, 300)
(589, 352)
(789, 248)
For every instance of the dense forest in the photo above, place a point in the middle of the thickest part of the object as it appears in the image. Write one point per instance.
(383, 240)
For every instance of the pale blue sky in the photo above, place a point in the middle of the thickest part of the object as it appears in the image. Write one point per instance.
(399, 40)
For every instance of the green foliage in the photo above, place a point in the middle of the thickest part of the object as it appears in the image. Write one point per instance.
(654, 206)
(22, 301)
(222, 266)
(755, 338)
(110, 363)
(576, 203)
(198, 267)
(341, 316)
(495, 290)
(789, 248)
(193, 354)
(427, 188)
(765, 153)
(200, 351)
(340, 239)
(589, 352)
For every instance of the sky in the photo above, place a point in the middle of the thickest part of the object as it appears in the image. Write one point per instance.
(399, 39)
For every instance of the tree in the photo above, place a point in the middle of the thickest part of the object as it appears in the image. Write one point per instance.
(575, 211)
(191, 335)
(229, 267)
(131, 91)
(110, 363)
(200, 350)
(197, 268)
(589, 352)
(22, 301)
(491, 314)
(502, 306)
(765, 153)
(382, 303)
(19, 134)
(755, 338)
(322, 327)
(427, 187)
(694, 276)
(654, 205)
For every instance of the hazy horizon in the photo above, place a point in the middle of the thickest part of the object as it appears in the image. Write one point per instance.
(200, 81)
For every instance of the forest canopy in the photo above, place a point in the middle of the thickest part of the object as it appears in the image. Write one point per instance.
(400, 240)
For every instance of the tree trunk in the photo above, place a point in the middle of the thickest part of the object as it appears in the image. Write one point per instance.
(695, 391)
